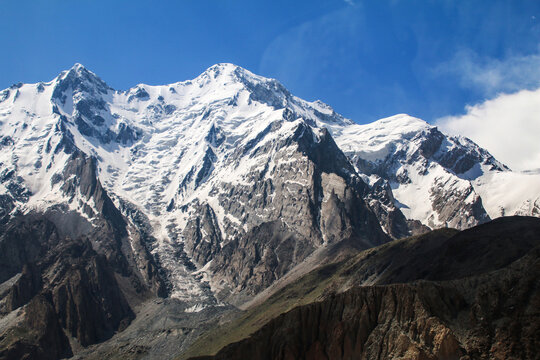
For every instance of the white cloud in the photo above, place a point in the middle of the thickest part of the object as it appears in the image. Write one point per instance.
(508, 126)
(491, 76)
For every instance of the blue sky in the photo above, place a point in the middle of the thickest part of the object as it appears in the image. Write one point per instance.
(367, 59)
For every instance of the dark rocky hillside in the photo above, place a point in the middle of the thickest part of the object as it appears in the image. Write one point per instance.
(490, 310)
(55, 288)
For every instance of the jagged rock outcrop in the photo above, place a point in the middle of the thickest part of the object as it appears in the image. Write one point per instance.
(38, 336)
(202, 235)
(24, 242)
(64, 272)
(24, 288)
(263, 255)
(381, 200)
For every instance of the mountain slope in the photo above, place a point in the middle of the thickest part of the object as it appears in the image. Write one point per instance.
(355, 309)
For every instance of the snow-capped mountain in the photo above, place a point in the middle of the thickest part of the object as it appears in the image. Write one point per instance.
(230, 165)
(208, 191)
(429, 173)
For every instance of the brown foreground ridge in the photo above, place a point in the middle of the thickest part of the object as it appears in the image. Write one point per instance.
(491, 314)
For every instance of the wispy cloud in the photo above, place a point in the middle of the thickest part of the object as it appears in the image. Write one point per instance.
(508, 126)
(491, 76)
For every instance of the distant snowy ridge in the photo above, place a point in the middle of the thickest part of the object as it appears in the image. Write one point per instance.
(428, 159)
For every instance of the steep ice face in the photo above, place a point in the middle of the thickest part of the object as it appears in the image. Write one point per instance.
(31, 139)
(508, 193)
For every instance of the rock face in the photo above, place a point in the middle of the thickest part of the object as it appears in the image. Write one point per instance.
(324, 205)
(389, 322)
(422, 321)
(488, 314)
(65, 285)
(380, 198)
(38, 337)
(86, 296)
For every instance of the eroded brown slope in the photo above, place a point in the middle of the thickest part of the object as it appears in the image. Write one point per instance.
(490, 317)
(491, 312)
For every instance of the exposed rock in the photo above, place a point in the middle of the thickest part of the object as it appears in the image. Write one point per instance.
(85, 280)
(40, 336)
(311, 197)
(264, 254)
(86, 295)
(23, 242)
(68, 286)
(382, 202)
(23, 290)
(377, 322)
(202, 235)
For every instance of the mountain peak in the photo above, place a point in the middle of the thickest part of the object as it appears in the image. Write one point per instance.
(227, 69)
(397, 128)
(230, 72)
(78, 67)
(77, 70)
(401, 121)
(79, 79)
